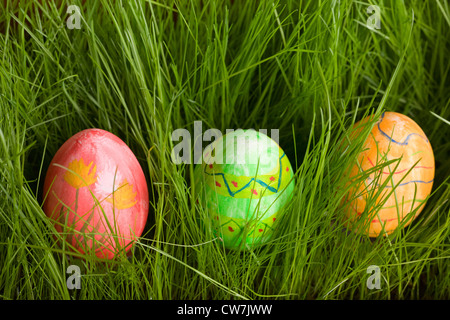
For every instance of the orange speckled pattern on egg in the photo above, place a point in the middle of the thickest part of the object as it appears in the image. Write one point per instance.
(393, 190)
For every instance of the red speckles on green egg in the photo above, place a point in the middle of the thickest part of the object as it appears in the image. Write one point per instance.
(253, 191)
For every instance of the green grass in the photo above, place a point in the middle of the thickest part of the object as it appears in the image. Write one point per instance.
(142, 69)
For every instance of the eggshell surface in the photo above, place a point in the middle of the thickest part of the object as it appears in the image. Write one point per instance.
(246, 191)
(96, 194)
(390, 194)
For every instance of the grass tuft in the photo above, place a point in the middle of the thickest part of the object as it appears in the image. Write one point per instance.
(141, 69)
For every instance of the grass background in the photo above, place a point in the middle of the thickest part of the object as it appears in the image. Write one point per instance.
(142, 69)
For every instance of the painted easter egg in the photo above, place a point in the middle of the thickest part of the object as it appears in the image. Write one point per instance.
(244, 182)
(397, 170)
(96, 194)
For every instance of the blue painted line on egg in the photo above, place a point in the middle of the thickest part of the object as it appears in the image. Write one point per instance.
(405, 142)
(262, 183)
(412, 181)
(405, 183)
(281, 172)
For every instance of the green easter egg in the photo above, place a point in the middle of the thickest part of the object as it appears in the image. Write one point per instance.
(244, 183)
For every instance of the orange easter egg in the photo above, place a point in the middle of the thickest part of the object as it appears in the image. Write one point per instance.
(395, 174)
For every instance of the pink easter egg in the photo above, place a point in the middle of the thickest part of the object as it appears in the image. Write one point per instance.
(96, 194)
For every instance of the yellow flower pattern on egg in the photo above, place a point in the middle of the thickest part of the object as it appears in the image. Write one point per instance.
(123, 197)
(79, 174)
